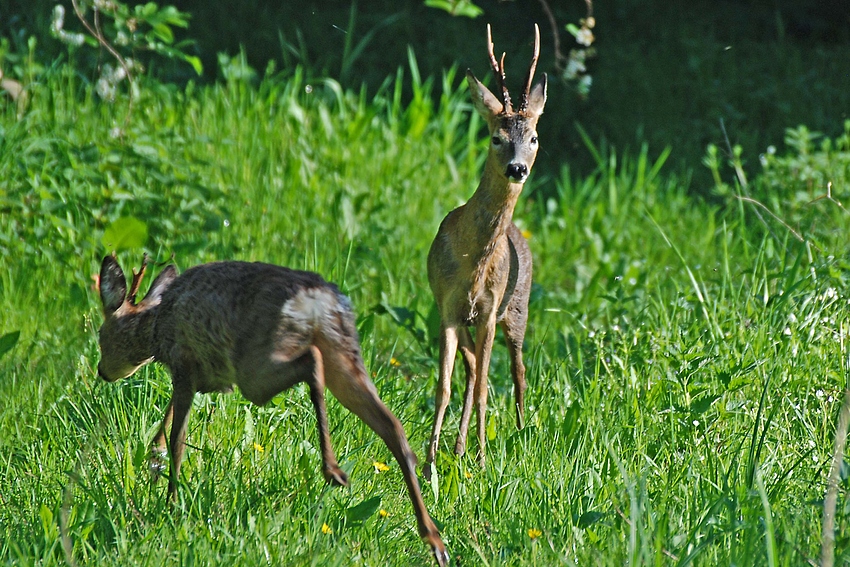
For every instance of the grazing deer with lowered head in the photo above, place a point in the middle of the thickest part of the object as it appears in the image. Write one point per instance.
(479, 265)
(261, 327)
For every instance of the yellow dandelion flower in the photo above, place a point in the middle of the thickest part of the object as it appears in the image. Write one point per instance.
(383, 513)
(258, 448)
(326, 529)
(526, 234)
(467, 474)
(394, 361)
(534, 533)
(380, 467)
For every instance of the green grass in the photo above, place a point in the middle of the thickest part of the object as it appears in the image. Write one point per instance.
(685, 357)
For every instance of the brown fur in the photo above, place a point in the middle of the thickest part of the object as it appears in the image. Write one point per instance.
(261, 327)
(479, 265)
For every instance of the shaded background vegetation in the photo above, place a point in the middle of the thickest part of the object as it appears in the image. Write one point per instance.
(667, 73)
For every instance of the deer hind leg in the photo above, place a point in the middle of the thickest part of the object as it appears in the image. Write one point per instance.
(330, 468)
(514, 330)
(159, 449)
(484, 347)
(448, 350)
(467, 350)
(293, 362)
(348, 381)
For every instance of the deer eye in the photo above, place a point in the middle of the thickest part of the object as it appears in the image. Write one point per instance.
(496, 140)
(534, 140)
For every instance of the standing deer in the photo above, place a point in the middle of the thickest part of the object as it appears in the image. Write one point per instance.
(479, 265)
(261, 327)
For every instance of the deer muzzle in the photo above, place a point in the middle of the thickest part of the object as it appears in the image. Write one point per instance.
(516, 172)
(102, 374)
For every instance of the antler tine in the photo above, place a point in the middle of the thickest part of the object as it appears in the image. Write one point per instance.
(137, 279)
(498, 71)
(527, 89)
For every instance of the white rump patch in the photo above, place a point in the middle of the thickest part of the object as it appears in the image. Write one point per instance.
(311, 308)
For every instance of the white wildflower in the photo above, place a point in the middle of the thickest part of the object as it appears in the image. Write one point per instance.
(584, 37)
(57, 26)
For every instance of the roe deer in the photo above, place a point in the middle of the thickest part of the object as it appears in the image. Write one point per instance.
(261, 327)
(479, 265)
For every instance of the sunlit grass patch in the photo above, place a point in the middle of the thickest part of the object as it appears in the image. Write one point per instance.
(685, 357)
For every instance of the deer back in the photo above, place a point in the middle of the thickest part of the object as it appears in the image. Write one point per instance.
(219, 321)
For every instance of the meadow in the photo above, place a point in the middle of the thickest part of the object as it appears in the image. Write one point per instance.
(687, 355)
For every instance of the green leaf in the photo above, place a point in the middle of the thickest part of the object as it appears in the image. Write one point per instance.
(8, 341)
(456, 7)
(195, 62)
(589, 518)
(401, 316)
(440, 5)
(702, 404)
(364, 510)
(467, 9)
(435, 481)
(491, 428)
(146, 10)
(164, 33)
(125, 233)
(46, 515)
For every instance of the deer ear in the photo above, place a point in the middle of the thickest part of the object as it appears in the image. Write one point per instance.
(485, 102)
(113, 285)
(160, 284)
(537, 97)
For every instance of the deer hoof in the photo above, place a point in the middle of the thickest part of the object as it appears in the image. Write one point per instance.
(460, 446)
(336, 477)
(428, 470)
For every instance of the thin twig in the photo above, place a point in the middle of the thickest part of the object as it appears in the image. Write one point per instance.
(828, 197)
(560, 58)
(742, 181)
(98, 35)
(796, 234)
(100, 39)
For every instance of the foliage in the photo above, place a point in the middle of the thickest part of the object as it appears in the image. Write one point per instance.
(666, 73)
(123, 32)
(813, 161)
(798, 188)
(63, 181)
(572, 69)
(456, 7)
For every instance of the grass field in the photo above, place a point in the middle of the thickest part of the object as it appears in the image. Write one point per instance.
(687, 357)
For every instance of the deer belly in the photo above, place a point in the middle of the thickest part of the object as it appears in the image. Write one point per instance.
(214, 373)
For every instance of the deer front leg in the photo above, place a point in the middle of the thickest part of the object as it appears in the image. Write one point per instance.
(159, 451)
(467, 350)
(330, 468)
(448, 350)
(181, 403)
(485, 334)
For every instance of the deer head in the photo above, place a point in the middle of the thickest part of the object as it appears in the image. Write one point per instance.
(513, 133)
(125, 336)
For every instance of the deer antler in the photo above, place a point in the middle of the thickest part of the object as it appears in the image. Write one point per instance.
(523, 97)
(499, 71)
(137, 280)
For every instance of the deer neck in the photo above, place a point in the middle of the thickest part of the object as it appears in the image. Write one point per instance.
(490, 210)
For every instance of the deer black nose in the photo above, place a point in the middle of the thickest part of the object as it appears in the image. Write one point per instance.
(516, 171)
(101, 374)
